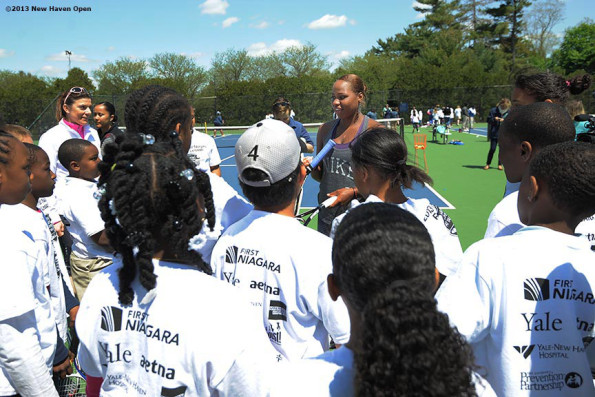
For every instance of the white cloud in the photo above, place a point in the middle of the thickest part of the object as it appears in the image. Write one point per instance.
(52, 71)
(328, 22)
(261, 49)
(62, 57)
(262, 25)
(229, 21)
(5, 53)
(111, 48)
(341, 54)
(196, 54)
(214, 7)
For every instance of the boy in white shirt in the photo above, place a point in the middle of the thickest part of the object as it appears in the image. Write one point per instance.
(281, 265)
(525, 302)
(27, 330)
(525, 131)
(203, 151)
(90, 250)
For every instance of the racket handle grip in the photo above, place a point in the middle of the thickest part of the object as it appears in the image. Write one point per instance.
(326, 203)
(322, 154)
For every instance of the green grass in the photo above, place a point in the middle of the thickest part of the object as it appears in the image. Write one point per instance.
(459, 177)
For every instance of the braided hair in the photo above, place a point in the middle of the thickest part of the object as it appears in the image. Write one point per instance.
(383, 264)
(386, 152)
(148, 204)
(156, 110)
(552, 86)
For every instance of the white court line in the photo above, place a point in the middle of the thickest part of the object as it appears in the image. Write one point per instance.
(228, 157)
(449, 206)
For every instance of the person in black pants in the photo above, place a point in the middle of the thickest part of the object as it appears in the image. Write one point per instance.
(497, 116)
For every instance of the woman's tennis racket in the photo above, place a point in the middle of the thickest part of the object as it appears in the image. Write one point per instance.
(305, 217)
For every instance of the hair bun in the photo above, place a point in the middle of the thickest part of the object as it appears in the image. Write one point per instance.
(579, 84)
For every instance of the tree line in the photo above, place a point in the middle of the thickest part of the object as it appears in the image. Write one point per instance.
(460, 51)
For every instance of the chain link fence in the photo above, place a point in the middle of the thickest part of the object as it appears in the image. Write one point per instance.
(315, 107)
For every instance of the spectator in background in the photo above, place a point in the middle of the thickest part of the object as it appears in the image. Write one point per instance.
(416, 118)
(372, 114)
(496, 116)
(282, 112)
(465, 113)
(458, 114)
(472, 114)
(218, 122)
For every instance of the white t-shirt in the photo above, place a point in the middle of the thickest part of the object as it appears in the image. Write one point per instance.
(525, 303)
(504, 219)
(230, 207)
(191, 335)
(203, 152)
(80, 208)
(331, 374)
(37, 226)
(22, 285)
(443, 233)
(282, 267)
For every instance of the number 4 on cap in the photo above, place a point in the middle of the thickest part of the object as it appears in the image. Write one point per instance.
(254, 153)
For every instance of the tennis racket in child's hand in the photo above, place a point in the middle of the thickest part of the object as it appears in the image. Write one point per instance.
(306, 217)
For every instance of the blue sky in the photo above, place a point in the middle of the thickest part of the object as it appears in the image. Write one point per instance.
(35, 41)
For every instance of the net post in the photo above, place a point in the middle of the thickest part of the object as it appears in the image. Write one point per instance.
(402, 128)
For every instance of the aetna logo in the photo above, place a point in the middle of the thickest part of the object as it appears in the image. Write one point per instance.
(524, 350)
(231, 254)
(537, 289)
(111, 318)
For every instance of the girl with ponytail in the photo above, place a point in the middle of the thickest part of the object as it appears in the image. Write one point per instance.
(145, 321)
(400, 344)
(380, 171)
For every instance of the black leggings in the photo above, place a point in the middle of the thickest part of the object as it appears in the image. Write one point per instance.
(493, 146)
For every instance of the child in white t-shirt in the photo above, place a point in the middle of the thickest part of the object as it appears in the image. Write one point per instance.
(525, 302)
(400, 343)
(203, 151)
(525, 131)
(27, 329)
(154, 323)
(280, 265)
(91, 251)
(379, 162)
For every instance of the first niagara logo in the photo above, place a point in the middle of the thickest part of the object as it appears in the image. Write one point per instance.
(111, 319)
(537, 289)
(231, 254)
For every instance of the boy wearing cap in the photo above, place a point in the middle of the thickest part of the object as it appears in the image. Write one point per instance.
(284, 281)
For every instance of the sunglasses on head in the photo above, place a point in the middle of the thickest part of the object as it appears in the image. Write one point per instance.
(281, 104)
(76, 90)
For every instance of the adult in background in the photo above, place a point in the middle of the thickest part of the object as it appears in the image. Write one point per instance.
(73, 112)
(471, 119)
(282, 112)
(458, 114)
(372, 114)
(496, 116)
(104, 115)
(334, 173)
(218, 122)
(416, 117)
(465, 113)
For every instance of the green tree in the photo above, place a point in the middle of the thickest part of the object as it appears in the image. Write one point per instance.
(121, 76)
(577, 51)
(181, 71)
(229, 66)
(301, 61)
(508, 26)
(76, 78)
(22, 97)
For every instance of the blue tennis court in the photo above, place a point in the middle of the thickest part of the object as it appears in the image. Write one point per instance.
(229, 172)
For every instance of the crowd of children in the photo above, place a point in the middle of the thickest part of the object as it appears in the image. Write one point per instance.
(177, 285)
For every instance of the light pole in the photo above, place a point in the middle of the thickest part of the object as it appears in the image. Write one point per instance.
(68, 54)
